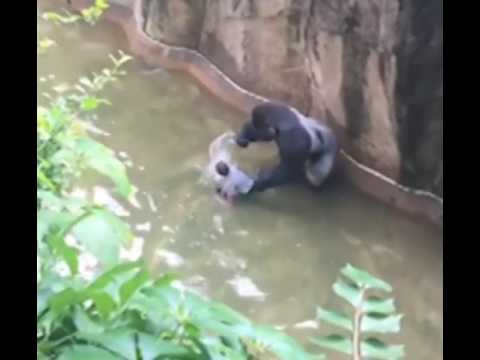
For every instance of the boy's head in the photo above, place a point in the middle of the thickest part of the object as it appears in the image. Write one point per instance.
(222, 168)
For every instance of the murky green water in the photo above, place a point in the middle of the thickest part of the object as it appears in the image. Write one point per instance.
(274, 257)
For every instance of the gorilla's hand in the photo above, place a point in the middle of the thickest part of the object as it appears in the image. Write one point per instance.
(241, 141)
(246, 135)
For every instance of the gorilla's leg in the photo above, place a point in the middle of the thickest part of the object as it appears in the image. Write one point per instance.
(319, 168)
(277, 176)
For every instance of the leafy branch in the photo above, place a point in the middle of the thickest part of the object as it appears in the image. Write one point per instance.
(63, 147)
(90, 14)
(44, 44)
(371, 314)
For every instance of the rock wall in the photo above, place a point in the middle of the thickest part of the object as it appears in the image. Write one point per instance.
(371, 68)
(419, 91)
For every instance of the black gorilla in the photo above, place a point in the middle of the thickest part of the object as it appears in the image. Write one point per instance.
(306, 147)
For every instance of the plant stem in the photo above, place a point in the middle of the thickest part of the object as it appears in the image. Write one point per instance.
(357, 326)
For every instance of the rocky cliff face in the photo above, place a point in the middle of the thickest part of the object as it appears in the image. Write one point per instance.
(371, 68)
(419, 91)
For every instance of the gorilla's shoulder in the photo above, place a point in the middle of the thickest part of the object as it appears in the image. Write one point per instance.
(275, 112)
(271, 106)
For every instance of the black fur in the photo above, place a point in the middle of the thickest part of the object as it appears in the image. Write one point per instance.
(279, 123)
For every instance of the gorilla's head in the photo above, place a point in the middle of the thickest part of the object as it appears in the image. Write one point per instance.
(260, 127)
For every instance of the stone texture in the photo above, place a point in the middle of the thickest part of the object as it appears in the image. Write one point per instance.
(420, 93)
(175, 22)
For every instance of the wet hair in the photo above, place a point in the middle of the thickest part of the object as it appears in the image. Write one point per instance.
(222, 168)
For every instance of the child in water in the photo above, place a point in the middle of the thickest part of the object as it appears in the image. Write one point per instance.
(233, 181)
(228, 179)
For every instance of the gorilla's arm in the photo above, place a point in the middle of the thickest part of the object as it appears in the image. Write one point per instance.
(320, 164)
(293, 148)
(246, 135)
(273, 177)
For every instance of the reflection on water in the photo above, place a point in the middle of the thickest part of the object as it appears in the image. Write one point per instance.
(275, 256)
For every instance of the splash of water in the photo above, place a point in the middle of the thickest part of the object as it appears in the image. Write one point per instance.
(236, 182)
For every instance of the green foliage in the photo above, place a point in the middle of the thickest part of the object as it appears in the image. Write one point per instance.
(372, 314)
(64, 149)
(44, 44)
(94, 12)
(114, 309)
(90, 14)
(58, 19)
(132, 316)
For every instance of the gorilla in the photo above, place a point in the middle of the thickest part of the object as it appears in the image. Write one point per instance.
(307, 148)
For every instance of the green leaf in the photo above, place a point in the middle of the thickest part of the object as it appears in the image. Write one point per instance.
(91, 103)
(106, 290)
(381, 323)
(119, 341)
(45, 43)
(283, 346)
(128, 289)
(103, 160)
(67, 253)
(85, 324)
(167, 307)
(44, 181)
(59, 19)
(55, 117)
(348, 292)
(41, 356)
(42, 228)
(42, 300)
(64, 299)
(111, 275)
(104, 303)
(101, 4)
(373, 348)
(49, 199)
(46, 323)
(102, 234)
(166, 279)
(335, 318)
(219, 319)
(158, 313)
(217, 350)
(65, 156)
(59, 224)
(54, 220)
(151, 348)
(225, 314)
(335, 342)
(378, 305)
(82, 352)
(364, 279)
(57, 204)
